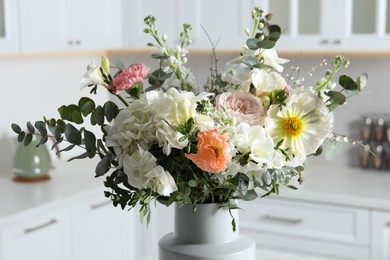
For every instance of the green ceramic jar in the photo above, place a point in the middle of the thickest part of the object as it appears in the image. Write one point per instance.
(31, 163)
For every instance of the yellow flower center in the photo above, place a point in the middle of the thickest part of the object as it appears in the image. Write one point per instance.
(293, 126)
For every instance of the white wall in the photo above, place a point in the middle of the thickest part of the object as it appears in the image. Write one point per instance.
(35, 86)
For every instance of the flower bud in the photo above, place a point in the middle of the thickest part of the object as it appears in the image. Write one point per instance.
(165, 37)
(105, 64)
(266, 101)
(247, 32)
(189, 41)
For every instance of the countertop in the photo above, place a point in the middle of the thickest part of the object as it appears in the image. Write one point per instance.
(69, 181)
(345, 186)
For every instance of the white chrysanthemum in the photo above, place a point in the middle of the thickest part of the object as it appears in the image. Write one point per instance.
(303, 123)
(162, 181)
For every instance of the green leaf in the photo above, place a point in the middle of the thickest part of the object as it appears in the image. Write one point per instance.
(192, 183)
(90, 143)
(111, 110)
(266, 44)
(136, 90)
(252, 43)
(61, 125)
(68, 148)
(43, 140)
(347, 83)
(76, 117)
(16, 128)
(159, 56)
(362, 81)
(250, 61)
(72, 134)
(336, 97)
(86, 105)
(55, 132)
(30, 128)
(64, 112)
(97, 116)
(103, 166)
(41, 127)
(28, 139)
(81, 156)
(21, 136)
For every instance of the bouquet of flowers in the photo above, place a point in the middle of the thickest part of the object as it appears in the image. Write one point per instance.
(246, 133)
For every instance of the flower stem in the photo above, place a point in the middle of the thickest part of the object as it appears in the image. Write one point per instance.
(122, 99)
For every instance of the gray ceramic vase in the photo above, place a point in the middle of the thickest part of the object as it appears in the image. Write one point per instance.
(206, 235)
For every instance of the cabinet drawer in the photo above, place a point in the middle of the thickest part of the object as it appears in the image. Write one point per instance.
(307, 220)
(39, 237)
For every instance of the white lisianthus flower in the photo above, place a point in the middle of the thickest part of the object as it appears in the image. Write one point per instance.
(253, 140)
(303, 123)
(264, 82)
(236, 72)
(271, 58)
(92, 76)
(162, 181)
(137, 165)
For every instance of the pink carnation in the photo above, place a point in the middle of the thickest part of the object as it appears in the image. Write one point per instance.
(130, 77)
(243, 107)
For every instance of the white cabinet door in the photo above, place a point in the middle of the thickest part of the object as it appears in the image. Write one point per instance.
(224, 21)
(9, 27)
(134, 12)
(57, 25)
(101, 231)
(380, 236)
(42, 26)
(93, 24)
(43, 237)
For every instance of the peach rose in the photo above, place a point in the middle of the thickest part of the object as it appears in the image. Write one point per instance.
(243, 107)
(130, 77)
(213, 152)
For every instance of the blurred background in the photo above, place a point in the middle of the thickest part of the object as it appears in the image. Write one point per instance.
(46, 45)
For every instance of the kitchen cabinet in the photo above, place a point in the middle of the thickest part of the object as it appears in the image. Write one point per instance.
(380, 235)
(66, 25)
(39, 237)
(65, 218)
(332, 25)
(204, 16)
(307, 229)
(9, 27)
(100, 231)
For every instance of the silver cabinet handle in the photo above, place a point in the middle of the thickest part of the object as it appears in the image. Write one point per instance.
(101, 204)
(32, 229)
(324, 41)
(337, 41)
(291, 221)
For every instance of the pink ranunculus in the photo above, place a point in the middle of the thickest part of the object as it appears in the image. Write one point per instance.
(213, 152)
(130, 77)
(243, 107)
